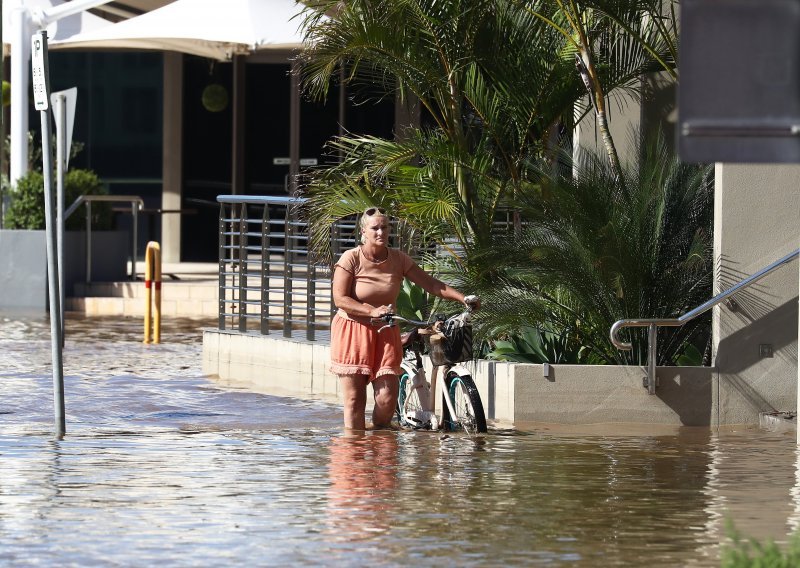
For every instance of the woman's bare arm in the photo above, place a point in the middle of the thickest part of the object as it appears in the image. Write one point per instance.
(434, 286)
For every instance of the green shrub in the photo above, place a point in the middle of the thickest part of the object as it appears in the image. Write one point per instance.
(753, 554)
(26, 210)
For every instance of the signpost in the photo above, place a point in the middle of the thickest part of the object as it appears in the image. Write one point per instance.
(41, 100)
(64, 112)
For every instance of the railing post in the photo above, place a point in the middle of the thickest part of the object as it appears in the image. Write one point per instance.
(652, 349)
(287, 276)
(243, 268)
(265, 270)
(311, 294)
(88, 241)
(221, 296)
(135, 214)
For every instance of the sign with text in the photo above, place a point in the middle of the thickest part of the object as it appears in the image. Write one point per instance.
(282, 161)
(41, 72)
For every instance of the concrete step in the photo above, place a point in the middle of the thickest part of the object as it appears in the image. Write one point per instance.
(191, 298)
(170, 290)
(195, 298)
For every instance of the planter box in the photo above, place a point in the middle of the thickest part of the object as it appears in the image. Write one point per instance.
(23, 254)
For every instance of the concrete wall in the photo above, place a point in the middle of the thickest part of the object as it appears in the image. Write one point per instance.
(23, 279)
(757, 209)
(512, 393)
(23, 254)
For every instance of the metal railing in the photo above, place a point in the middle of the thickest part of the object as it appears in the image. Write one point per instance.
(136, 205)
(652, 325)
(265, 272)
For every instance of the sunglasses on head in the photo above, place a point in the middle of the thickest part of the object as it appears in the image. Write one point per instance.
(372, 210)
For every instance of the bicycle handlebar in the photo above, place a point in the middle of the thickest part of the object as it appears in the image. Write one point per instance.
(391, 318)
(472, 303)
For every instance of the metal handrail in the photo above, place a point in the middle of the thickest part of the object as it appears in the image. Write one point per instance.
(246, 267)
(653, 324)
(137, 203)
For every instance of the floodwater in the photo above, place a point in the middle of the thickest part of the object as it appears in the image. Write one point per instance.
(161, 465)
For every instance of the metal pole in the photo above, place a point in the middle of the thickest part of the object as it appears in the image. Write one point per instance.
(243, 267)
(294, 128)
(652, 335)
(134, 252)
(88, 241)
(60, 109)
(265, 227)
(41, 87)
(222, 261)
(287, 276)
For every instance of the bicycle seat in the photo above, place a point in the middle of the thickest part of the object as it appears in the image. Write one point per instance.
(409, 337)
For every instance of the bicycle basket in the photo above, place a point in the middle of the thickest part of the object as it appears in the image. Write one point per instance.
(453, 343)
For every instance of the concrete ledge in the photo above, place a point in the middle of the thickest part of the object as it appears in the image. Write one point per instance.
(512, 392)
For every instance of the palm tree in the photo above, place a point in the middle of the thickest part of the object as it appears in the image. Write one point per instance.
(494, 76)
(599, 248)
(463, 60)
(614, 42)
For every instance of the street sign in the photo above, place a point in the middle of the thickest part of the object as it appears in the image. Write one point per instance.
(283, 161)
(41, 72)
(71, 98)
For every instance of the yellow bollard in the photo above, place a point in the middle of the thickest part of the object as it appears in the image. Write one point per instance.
(152, 279)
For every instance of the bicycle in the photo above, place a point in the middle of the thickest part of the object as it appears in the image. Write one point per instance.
(462, 408)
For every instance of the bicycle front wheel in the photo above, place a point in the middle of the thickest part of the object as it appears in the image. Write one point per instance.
(408, 402)
(467, 404)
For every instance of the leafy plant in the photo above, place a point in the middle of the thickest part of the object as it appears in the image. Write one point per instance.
(413, 302)
(751, 553)
(597, 248)
(26, 210)
(535, 345)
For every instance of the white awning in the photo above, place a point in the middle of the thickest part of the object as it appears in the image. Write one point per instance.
(60, 30)
(215, 29)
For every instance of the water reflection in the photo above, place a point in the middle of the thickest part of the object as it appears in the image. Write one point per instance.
(363, 482)
(163, 465)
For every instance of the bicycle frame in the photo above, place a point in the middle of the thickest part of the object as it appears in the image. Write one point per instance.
(426, 390)
(423, 416)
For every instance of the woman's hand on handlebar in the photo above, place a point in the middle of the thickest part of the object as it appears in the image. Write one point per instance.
(472, 302)
(380, 311)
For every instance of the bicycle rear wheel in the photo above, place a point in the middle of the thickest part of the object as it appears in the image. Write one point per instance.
(408, 392)
(467, 404)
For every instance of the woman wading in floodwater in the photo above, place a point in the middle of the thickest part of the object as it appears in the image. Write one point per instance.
(366, 283)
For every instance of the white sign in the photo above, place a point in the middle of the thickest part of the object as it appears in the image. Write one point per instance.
(287, 161)
(71, 98)
(40, 74)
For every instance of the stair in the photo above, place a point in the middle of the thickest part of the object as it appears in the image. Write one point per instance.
(189, 289)
(190, 298)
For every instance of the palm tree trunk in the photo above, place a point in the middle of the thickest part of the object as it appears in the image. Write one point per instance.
(608, 141)
(583, 62)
